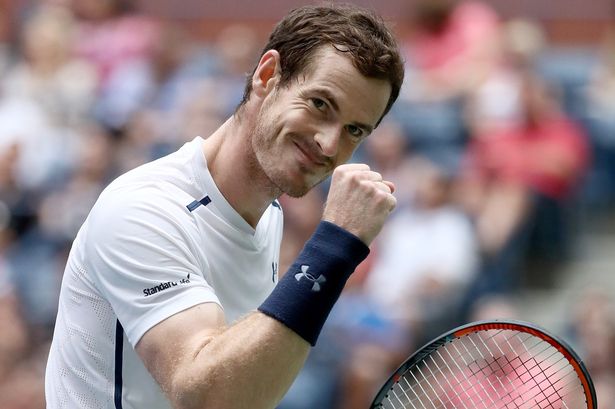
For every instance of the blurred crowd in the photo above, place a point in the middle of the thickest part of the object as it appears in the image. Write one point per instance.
(501, 146)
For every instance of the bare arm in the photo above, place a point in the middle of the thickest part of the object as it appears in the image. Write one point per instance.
(201, 363)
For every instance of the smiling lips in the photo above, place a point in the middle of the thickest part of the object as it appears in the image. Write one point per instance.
(311, 156)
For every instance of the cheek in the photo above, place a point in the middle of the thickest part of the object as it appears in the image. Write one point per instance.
(280, 116)
(297, 120)
(269, 126)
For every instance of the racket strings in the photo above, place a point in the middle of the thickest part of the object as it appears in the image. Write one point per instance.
(523, 364)
(558, 361)
(452, 372)
(471, 397)
(489, 378)
(477, 370)
(471, 385)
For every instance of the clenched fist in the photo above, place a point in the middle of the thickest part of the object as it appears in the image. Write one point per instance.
(359, 201)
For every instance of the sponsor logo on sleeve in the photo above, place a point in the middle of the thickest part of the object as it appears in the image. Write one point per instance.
(165, 286)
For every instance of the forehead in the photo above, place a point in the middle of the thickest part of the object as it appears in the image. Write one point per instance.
(332, 71)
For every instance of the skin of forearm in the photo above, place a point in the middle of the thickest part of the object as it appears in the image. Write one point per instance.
(250, 365)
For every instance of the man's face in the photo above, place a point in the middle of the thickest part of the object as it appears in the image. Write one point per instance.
(313, 124)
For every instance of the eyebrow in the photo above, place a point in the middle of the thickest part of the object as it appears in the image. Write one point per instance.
(331, 98)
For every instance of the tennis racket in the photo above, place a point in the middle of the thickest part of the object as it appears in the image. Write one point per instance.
(491, 364)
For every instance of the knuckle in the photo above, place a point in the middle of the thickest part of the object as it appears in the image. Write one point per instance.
(337, 172)
(356, 178)
(381, 196)
(393, 202)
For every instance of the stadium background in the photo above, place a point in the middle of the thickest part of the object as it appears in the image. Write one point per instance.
(502, 146)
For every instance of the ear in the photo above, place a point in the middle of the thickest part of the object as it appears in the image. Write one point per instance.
(267, 73)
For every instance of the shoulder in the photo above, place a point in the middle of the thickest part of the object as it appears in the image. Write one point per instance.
(136, 208)
(164, 186)
(143, 199)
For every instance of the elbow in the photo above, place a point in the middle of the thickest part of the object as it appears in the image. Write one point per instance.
(198, 391)
(216, 390)
(191, 392)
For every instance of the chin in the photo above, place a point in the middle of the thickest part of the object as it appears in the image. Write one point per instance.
(289, 177)
(295, 188)
(297, 193)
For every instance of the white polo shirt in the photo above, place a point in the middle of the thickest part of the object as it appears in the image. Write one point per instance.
(160, 239)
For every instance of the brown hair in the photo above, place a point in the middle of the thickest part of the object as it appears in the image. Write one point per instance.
(357, 32)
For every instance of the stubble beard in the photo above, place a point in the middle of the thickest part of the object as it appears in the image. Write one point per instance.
(264, 161)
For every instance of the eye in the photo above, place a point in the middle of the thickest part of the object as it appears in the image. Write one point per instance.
(319, 104)
(354, 131)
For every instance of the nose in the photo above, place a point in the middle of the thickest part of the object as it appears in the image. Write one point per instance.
(328, 138)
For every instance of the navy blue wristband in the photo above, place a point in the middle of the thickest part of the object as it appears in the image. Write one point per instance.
(303, 298)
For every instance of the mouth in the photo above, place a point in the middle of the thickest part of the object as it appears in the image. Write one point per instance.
(313, 158)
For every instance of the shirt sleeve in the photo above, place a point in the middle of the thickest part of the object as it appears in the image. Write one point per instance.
(142, 255)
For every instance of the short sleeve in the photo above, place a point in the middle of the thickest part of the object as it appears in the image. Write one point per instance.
(141, 252)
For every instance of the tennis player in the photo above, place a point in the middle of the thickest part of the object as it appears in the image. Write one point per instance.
(170, 296)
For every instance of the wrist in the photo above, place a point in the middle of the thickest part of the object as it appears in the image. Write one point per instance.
(305, 295)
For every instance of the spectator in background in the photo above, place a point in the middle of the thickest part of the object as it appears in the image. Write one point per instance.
(235, 51)
(48, 76)
(16, 214)
(13, 342)
(112, 37)
(112, 34)
(600, 119)
(451, 47)
(219, 70)
(166, 105)
(495, 102)
(45, 96)
(21, 384)
(519, 181)
(200, 115)
(62, 211)
(602, 88)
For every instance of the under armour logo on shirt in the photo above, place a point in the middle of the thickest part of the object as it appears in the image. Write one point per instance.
(317, 281)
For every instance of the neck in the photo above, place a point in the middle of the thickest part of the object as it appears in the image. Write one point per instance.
(236, 172)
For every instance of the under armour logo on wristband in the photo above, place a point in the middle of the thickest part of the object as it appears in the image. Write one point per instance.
(317, 281)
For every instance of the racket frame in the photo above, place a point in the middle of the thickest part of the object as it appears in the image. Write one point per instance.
(515, 325)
